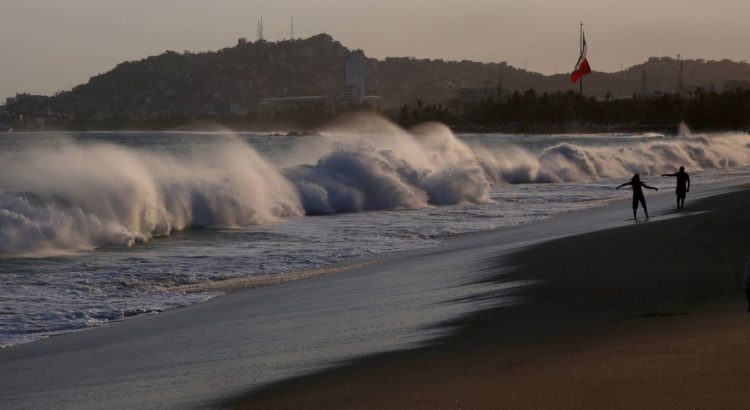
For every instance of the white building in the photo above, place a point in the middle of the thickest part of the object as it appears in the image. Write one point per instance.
(354, 78)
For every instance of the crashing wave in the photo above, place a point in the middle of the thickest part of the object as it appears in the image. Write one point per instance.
(76, 196)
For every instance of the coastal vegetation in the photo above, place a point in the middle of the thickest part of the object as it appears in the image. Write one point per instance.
(568, 111)
(231, 87)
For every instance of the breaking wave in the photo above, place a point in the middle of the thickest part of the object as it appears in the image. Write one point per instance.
(372, 165)
(76, 196)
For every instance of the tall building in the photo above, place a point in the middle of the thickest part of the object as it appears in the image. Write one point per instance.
(354, 78)
(681, 81)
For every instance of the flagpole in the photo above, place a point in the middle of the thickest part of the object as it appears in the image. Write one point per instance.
(580, 47)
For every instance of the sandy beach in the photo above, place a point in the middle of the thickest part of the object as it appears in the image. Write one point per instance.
(587, 309)
(247, 205)
(650, 315)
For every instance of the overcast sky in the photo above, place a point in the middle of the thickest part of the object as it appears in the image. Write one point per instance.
(52, 45)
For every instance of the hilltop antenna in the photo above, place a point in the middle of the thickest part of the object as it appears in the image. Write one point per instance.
(260, 30)
(291, 29)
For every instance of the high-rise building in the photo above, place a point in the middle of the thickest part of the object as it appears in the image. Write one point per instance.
(354, 78)
(681, 81)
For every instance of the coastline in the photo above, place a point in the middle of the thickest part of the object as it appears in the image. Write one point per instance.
(646, 315)
(282, 131)
(208, 352)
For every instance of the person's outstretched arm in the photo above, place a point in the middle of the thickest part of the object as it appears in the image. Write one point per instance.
(627, 183)
(669, 175)
(649, 187)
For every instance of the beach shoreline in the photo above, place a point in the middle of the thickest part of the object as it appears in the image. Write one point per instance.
(263, 341)
(646, 315)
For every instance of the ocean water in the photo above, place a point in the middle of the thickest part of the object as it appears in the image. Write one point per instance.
(96, 227)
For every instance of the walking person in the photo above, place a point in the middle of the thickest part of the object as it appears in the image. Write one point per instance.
(638, 194)
(683, 186)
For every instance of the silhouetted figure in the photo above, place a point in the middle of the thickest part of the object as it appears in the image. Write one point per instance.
(683, 185)
(638, 194)
(746, 283)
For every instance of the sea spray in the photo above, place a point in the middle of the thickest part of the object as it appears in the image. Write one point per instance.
(81, 196)
(70, 196)
(374, 165)
(567, 162)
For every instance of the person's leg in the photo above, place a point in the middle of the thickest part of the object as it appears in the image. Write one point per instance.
(635, 208)
(643, 204)
(683, 194)
(678, 202)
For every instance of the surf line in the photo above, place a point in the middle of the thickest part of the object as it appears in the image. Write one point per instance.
(250, 282)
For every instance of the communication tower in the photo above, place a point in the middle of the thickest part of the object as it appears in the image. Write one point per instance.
(260, 30)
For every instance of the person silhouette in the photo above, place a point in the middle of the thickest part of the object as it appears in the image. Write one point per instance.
(638, 194)
(683, 185)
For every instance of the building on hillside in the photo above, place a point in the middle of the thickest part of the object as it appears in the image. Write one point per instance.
(470, 96)
(3, 118)
(354, 78)
(476, 95)
(270, 105)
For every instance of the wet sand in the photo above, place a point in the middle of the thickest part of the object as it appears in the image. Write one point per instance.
(594, 292)
(649, 315)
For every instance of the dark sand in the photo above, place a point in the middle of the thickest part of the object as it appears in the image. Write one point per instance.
(650, 315)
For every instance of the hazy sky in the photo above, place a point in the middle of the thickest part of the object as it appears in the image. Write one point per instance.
(52, 45)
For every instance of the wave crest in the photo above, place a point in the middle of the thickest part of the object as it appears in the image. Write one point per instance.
(365, 172)
(76, 196)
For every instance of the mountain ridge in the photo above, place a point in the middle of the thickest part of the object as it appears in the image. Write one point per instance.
(209, 83)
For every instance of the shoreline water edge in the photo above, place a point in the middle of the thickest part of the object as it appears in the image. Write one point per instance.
(649, 314)
(202, 349)
(91, 207)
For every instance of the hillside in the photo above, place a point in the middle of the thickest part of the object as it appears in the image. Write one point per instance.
(207, 84)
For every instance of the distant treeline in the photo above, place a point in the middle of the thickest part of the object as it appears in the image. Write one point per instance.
(519, 112)
(564, 111)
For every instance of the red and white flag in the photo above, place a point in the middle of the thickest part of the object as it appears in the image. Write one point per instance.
(582, 66)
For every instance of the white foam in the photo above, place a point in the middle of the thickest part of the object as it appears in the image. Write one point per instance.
(79, 196)
(74, 196)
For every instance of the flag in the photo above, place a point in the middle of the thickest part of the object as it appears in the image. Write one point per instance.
(582, 66)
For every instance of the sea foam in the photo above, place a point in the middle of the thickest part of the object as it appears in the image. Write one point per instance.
(75, 196)
(80, 196)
